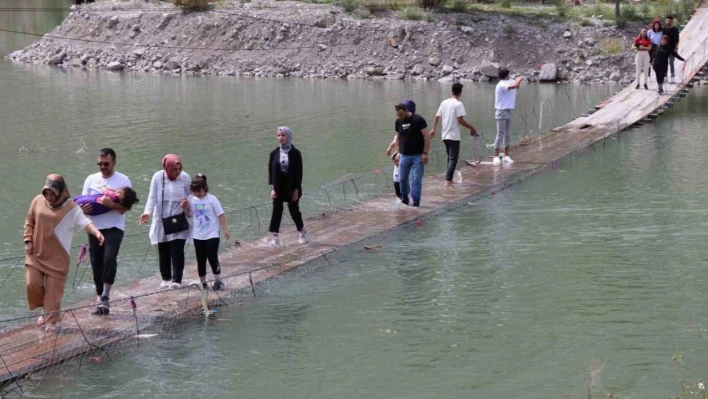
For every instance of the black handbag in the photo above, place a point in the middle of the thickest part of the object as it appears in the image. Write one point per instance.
(175, 223)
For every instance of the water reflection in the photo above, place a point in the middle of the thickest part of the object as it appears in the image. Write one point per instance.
(36, 21)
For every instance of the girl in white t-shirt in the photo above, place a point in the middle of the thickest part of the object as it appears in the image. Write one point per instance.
(208, 215)
(395, 158)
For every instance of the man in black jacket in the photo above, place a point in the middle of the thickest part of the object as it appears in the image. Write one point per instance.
(673, 33)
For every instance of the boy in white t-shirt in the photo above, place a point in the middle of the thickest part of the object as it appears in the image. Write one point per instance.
(208, 215)
(504, 102)
(452, 114)
(395, 157)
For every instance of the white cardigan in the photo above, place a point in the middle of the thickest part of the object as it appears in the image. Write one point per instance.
(158, 207)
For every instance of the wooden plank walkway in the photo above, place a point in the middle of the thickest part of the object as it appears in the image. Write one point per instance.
(24, 349)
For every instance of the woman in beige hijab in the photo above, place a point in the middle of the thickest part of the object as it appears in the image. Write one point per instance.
(51, 221)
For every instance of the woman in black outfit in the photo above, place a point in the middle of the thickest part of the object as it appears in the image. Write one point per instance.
(285, 179)
(661, 61)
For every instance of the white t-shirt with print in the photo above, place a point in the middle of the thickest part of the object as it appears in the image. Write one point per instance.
(94, 185)
(206, 212)
(504, 98)
(448, 112)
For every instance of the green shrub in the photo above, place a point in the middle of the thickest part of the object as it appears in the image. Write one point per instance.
(645, 10)
(630, 13)
(412, 14)
(611, 46)
(505, 4)
(561, 7)
(456, 6)
(192, 5)
(508, 30)
(432, 4)
(585, 22)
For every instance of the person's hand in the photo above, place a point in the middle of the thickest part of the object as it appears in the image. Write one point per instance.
(273, 194)
(184, 204)
(227, 235)
(105, 201)
(388, 152)
(144, 218)
(100, 238)
(87, 208)
(432, 133)
(473, 131)
(424, 158)
(296, 195)
(29, 248)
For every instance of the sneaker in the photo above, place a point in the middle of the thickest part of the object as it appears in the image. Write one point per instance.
(404, 201)
(416, 205)
(274, 241)
(217, 285)
(496, 161)
(166, 284)
(661, 89)
(398, 201)
(507, 160)
(175, 286)
(637, 86)
(646, 87)
(303, 237)
(204, 285)
(672, 79)
(103, 308)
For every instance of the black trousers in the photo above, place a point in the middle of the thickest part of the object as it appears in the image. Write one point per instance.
(397, 188)
(660, 75)
(104, 259)
(651, 57)
(171, 255)
(207, 250)
(452, 147)
(277, 216)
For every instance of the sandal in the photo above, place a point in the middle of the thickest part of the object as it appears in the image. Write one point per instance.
(41, 321)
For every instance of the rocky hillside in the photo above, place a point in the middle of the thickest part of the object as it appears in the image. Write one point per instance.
(266, 38)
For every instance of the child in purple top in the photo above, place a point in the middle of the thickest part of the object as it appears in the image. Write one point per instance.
(125, 196)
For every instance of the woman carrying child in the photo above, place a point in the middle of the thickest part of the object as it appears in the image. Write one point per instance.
(208, 215)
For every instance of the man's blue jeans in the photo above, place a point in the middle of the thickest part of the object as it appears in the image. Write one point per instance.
(411, 171)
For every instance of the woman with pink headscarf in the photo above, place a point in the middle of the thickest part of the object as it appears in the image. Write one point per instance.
(166, 203)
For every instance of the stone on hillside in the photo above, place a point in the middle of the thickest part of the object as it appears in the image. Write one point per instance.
(567, 34)
(139, 52)
(375, 71)
(115, 66)
(434, 61)
(417, 70)
(447, 69)
(157, 65)
(466, 29)
(549, 73)
(326, 21)
(589, 41)
(172, 65)
(490, 69)
(113, 22)
(56, 59)
(615, 76)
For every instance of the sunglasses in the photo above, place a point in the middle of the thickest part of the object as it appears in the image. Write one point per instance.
(103, 163)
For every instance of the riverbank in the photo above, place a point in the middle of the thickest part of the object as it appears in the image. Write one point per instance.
(293, 39)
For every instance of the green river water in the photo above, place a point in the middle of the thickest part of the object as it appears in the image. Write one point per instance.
(602, 260)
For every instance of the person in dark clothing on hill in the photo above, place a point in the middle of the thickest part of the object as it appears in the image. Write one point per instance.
(673, 34)
(661, 61)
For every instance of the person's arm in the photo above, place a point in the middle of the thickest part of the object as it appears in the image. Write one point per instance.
(515, 85)
(390, 147)
(151, 201)
(678, 56)
(91, 229)
(461, 120)
(435, 124)
(271, 178)
(298, 176)
(187, 208)
(108, 203)
(426, 148)
(29, 228)
(224, 226)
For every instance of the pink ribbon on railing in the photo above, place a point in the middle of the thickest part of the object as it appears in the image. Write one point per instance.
(82, 253)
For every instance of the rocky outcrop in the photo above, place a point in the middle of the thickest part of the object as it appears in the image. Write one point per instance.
(267, 38)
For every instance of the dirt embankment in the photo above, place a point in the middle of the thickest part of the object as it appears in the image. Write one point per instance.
(289, 39)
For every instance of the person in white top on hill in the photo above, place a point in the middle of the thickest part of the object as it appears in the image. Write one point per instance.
(504, 102)
(452, 114)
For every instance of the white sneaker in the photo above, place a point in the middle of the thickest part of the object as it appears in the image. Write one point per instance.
(303, 237)
(166, 284)
(398, 201)
(507, 160)
(175, 286)
(275, 241)
(496, 161)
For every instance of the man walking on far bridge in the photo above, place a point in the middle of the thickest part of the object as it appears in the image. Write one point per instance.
(413, 146)
(452, 113)
(504, 103)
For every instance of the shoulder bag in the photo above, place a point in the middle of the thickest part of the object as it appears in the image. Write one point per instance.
(175, 223)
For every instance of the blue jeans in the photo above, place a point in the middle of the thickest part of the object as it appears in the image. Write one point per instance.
(411, 171)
